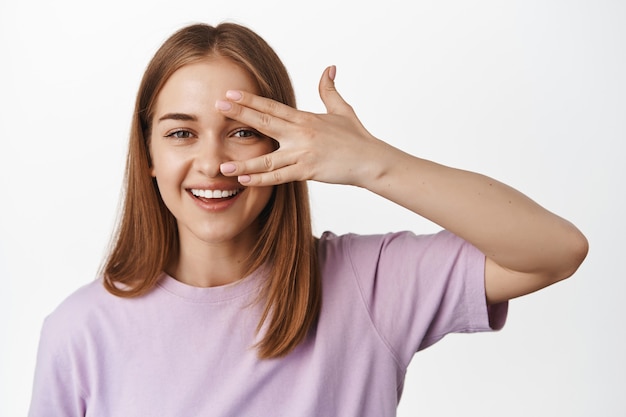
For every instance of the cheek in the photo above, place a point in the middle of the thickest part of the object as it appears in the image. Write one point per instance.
(165, 162)
(260, 199)
(267, 146)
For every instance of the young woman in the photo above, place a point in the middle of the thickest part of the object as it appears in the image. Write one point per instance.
(217, 300)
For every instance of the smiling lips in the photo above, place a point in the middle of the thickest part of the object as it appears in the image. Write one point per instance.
(212, 194)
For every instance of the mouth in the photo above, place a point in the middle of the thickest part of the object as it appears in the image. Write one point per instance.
(214, 195)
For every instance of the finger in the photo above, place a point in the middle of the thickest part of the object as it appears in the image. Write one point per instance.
(264, 163)
(265, 123)
(262, 104)
(283, 175)
(330, 96)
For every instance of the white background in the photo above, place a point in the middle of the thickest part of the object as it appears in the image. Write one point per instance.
(532, 93)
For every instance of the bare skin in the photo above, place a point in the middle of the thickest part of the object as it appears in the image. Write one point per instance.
(526, 246)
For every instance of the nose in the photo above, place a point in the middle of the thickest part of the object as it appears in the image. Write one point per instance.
(209, 156)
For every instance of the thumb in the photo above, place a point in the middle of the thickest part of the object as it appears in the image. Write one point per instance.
(332, 99)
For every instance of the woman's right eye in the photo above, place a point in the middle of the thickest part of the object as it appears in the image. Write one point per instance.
(179, 134)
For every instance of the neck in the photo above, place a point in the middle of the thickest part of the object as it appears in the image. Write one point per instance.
(210, 265)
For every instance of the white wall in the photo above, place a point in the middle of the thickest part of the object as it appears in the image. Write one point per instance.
(530, 92)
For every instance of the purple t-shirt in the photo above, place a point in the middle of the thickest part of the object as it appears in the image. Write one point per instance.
(188, 351)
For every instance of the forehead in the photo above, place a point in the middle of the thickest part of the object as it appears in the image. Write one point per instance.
(203, 82)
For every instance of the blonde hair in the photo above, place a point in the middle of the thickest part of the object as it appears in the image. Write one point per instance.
(146, 238)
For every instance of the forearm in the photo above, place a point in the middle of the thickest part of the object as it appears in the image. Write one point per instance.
(508, 227)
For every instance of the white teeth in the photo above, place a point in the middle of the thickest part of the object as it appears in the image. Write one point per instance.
(213, 193)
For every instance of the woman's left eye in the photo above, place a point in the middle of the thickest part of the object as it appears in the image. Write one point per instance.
(246, 133)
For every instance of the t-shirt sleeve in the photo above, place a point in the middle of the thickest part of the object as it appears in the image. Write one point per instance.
(420, 288)
(56, 387)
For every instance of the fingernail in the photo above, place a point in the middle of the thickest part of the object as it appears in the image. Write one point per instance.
(228, 168)
(234, 95)
(332, 72)
(223, 105)
(243, 179)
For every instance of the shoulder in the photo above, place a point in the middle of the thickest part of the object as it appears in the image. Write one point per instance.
(85, 297)
(399, 256)
(74, 313)
(368, 249)
(329, 238)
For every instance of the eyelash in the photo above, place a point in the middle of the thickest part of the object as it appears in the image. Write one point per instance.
(173, 135)
(251, 134)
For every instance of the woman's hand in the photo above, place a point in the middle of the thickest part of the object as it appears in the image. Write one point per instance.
(331, 147)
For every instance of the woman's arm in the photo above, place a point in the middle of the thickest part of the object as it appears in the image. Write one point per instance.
(526, 246)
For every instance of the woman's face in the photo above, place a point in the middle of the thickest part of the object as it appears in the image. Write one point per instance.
(189, 141)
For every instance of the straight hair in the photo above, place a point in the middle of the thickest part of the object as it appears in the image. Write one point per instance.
(146, 236)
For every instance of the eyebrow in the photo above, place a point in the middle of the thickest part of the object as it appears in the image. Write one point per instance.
(178, 116)
(185, 117)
